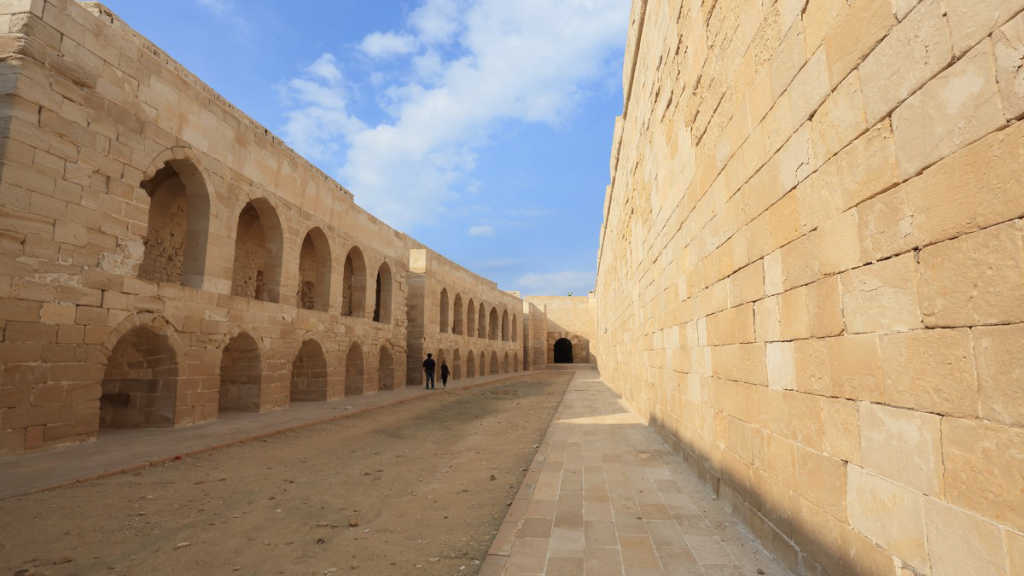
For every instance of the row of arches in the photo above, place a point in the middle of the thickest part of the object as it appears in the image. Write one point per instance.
(471, 365)
(176, 243)
(140, 382)
(477, 321)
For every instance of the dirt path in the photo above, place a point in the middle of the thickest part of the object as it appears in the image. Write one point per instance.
(416, 489)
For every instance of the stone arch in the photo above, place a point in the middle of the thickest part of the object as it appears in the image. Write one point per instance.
(504, 325)
(309, 373)
(382, 299)
(240, 375)
(506, 364)
(515, 330)
(481, 329)
(258, 242)
(353, 300)
(457, 314)
(481, 366)
(494, 363)
(563, 351)
(470, 318)
(178, 225)
(443, 322)
(456, 364)
(140, 381)
(385, 369)
(470, 364)
(354, 370)
(492, 322)
(515, 362)
(314, 271)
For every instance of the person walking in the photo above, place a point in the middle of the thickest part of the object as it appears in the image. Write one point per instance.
(428, 368)
(444, 374)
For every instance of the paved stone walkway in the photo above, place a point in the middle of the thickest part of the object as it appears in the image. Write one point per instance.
(606, 495)
(119, 450)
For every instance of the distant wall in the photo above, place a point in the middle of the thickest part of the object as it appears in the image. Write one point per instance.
(811, 272)
(570, 317)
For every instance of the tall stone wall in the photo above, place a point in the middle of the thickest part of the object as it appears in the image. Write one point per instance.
(164, 258)
(811, 272)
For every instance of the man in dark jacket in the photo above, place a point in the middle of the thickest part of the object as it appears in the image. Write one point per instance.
(428, 368)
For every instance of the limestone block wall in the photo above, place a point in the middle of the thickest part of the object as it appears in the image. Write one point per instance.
(465, 316)
(811, 272)
(163, 257)
(572, 318)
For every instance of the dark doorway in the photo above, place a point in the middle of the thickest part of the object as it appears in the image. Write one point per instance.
(563, 351)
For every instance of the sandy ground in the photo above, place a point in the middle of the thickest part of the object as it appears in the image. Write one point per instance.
(419, 488)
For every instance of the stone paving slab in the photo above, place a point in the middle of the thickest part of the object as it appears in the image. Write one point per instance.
(116, 451)
(605, 495)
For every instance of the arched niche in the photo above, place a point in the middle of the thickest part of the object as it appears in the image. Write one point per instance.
(442, 324)
(177, 226)
(457, 313)
(385, 369)
(382, 295)
(314, 291)
(140, 383)
(354, 370)
(258, 239)
(240, 375)
(309, 373)
(353, 301)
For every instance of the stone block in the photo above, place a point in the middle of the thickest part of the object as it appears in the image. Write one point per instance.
(962, 543)
(882, 297)
(855, 34)
(902, 445)
(954, 109)
(888, 513)
(742, 362)
(822, 480)
(842, 429)
(1009, 49)
(930, 370)
(999, 357)
(766, 315)
(780, 366)
(974, 279)
(914, 51)
(1014, 552)
(732, 326)
(984, 469)
(839, 120)
(22, 310)
(972, 20)
(57, 313)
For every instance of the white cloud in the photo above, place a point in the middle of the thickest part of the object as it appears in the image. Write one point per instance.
(557, 283)
(387, 44)
(318, 121)
(481, 230)
(527, 60)
(436, 21)
(216, 6)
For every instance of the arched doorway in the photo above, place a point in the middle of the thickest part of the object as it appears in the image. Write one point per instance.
(515, 363)
(240, 375)
(563, 351)
(456, 365)
(493, 325)
(354, 370)
(506, 364)
(457, 314)
(140, 382)
(309, 373)
(504, 325)
(471, 318)
(385, 370)
(481, 328)
(494, 363)
(470, 365)
(443, 322)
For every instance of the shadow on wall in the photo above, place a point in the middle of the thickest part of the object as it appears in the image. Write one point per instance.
(563, 346)
(768, 522)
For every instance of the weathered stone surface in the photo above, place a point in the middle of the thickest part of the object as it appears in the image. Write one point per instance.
(999, 356)
(962, 543)
(930, 370)
(888, 513)
(902, 445)
(984, 469)
(882, 297)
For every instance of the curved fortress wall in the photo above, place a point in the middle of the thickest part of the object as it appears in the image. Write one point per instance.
(164, 258)
(811, 274)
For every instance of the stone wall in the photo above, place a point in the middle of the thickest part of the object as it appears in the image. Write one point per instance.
(568, 317)
(811, 271)
(163, 257)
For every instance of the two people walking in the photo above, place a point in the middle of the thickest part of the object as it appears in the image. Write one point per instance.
(428, 368)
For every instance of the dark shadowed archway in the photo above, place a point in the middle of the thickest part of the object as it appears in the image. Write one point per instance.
(354, 370)
(240, 374)
(563, 351)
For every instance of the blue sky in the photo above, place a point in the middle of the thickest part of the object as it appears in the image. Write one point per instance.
(480, 127)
